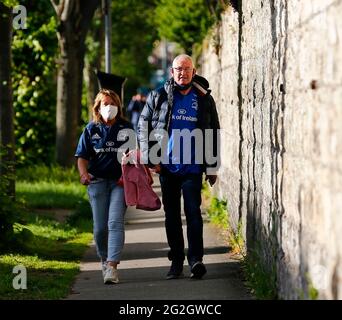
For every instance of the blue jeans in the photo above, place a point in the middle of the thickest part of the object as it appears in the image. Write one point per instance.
(172, 185)
(108, 206)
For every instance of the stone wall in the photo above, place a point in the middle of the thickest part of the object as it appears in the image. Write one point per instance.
(275, 71)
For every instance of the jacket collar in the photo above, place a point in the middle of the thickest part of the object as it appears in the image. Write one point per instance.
(200, 83)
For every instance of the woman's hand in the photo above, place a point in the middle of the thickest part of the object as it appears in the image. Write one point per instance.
(85, 178)
(156, 169)
(82, 165)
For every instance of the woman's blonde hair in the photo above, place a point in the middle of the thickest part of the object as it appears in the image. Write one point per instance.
(97, 118)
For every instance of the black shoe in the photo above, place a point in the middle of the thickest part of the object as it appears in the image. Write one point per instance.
(176, 271)
(198, 270)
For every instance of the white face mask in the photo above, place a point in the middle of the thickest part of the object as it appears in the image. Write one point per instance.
(108, 112)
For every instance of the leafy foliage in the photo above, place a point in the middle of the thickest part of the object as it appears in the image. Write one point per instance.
(10, 3)
(133, 36)
(34, 88)
(217, 212)
(184, 21)
(261, 280)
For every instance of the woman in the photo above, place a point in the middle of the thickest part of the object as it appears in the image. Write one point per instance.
(99, 156)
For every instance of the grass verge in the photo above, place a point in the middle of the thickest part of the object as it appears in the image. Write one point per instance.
(49, 251)
(218, 215)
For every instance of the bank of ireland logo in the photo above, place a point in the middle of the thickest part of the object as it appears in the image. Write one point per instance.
(182, 111)
(109, 143)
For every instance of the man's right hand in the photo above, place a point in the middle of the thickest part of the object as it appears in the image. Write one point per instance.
(156, 168)
(211, 178)
(85, 178)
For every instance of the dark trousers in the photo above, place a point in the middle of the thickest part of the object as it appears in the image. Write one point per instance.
(190, 185)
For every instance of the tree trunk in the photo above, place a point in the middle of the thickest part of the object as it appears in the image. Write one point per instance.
(6, 98)
(74, 20)
(93, 61)
(69, 93)
(92, 85)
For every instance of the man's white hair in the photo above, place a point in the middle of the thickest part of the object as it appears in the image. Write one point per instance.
(182, 56)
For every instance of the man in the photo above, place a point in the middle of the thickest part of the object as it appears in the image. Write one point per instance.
(183, 104)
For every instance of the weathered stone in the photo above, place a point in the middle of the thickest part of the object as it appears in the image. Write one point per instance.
(276, 75)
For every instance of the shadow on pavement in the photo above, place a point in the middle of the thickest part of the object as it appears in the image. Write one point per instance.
(222, 282)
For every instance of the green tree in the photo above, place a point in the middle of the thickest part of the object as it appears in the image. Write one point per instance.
(184, 21)
(6, 98)
(34, 81)
(74, 19)
(10, 3)
(93, 61)
(7, 180)
(133, 35)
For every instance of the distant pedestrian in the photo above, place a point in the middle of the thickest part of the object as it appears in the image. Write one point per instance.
(99, 167)
(135, 107)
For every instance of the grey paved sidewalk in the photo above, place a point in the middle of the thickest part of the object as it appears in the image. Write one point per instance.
(144, 266)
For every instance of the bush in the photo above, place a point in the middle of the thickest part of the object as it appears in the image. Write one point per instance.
(34, 84)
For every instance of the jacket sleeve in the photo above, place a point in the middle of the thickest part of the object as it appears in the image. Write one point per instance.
(215, 125)
(145, 127)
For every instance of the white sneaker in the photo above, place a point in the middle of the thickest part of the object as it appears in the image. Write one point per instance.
(103, 267)
(111, 275)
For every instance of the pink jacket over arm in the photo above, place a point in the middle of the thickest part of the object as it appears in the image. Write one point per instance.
(137, 183)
